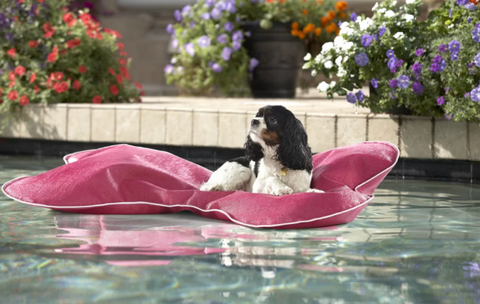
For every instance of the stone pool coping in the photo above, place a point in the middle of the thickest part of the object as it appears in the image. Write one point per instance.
(220, 122)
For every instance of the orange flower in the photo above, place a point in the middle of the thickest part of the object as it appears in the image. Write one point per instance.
(332, 27)
(295, 25)
(342, 15)
(319, 1)
(325, 21)
(341, 6)
(301, 35)
(331, 15)
(294, 32)
(318, 31)
(309, 28)
(305, 12)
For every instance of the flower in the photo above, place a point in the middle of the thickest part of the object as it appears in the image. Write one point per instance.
(442, 48)
(20, 70)
(393, 83)
(390, 53)
(97, 99)
(82, 69)
(469, 20)
(114, 90)
(13, 95)
(419, 52)
(328, 65)
(351, 98)
(206, 16)
(203, 41)
(454, 46)
(253, 64)
(353, 17)
(237, 36)
(217, 68)
(448, 116)
(32, 44)
(454, 56)
(440, 100)
(226, 53)
(361, 59)
(86, 18)
(209, 3)
(69, 19)
(476, 34)
(366, 40)
(24, 100)
(228, 26)
(389, 14)
(170, 29)
(417, 88)
(52, 57)
(399, 35)
(216, 13)
(471, 6)
(119, 79)
(76, 84)
(189, 49)
(58, 76)
(417, 67)
(61, 87)
(399, 63)
(32, 78)
(403, 81)
(392, 63)
(236, 45)
(222, 38)
(177, 15)
(462, 2)
(374, 83)
(11, 52)
(360, 96)
(382, 31)
(477, 60)
(323, 86)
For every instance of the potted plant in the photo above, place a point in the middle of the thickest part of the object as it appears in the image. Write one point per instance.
(407, 62)
(230, 44)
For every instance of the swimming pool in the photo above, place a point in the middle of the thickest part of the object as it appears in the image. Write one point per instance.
(416, 242)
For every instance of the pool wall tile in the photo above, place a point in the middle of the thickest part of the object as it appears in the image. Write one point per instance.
(179, 127)
(152, 126)
(33, 121)
(474, 141)
(103, 123)
(383, 128)
(451, 139)
(351, 129)
(55, 122)
(79, 122)
(205, 128)
(232, 132)
(321, 132)
(127, 124)
(416, 137)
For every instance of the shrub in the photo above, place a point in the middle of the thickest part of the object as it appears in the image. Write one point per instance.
(49, 54)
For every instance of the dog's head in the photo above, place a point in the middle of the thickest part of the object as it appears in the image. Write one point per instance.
(275, 127)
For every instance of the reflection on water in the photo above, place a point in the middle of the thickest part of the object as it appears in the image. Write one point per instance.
(416, 242)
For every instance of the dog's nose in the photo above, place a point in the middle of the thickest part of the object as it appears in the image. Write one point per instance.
(254, 122)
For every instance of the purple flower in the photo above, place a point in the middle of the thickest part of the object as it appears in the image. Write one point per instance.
(217, 68)
(361, 59)
(434, 67)
(417, 67)
(209, 3)
(192, 24)
(351, 98)
(168, 69)
(230, 6)
(442, 48)
(186, 10)
(419, 52)
(253, 64)
(437, 59)
(374, 83)
(454, 56)
(237, 36)
(226, 53)
(170, 29)
(189, 49)
(222, 38)
(229, 26)
(393, 83)
(475, 95)
(477, 60)
(382, 31)
(454, 46)
(471, 6)
(390, 53)
(470, 65)
(440, 100)
(443, 65)
(399, 63)
(203, 41)
(236, 45)
(216, 13)
(476, 34)
(392, 63)
(221, 5)
(448, 116)
(353, 17)
(360, 96)
(375, 37)
(178, 15)
(366, 40)
(9, 36)
(206, 16)
(175, 43)
(403, 81)
(417, 88)
(462, 2)
(469, 20)
(466, 95)
(447, 89)
(392, 95)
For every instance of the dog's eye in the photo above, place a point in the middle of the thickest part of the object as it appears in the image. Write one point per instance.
(272, 120)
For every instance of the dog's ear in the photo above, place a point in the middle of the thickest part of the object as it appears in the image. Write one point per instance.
(253, 150)
(293, 151)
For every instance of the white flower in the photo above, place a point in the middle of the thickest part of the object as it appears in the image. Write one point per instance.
(381, 10)
(347, 46)
(173, 61)
(332, 84)
(365, 24)
(307, 65)
(408, 17)
(328, 65)
(394, 2)
(410, 1)
(323, 86)
(399, 35)
(375, 7)
(389, 14)
(307, 57)
(451, 25)
(345, 59)
(359, 18)
(338, 61)
(318, 59)
(345, 29)
(314, 73)
(338, 41)
(341, 72)
(327, 47)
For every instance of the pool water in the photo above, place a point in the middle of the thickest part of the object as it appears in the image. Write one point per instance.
(416, 242)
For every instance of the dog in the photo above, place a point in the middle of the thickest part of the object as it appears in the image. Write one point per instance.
(277, 161)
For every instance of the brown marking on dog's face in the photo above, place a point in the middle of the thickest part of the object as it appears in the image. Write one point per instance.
(271, 138)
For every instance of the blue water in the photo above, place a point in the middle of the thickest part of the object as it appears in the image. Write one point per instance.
(416, 242)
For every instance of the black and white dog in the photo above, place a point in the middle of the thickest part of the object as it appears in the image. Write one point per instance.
(277, 158)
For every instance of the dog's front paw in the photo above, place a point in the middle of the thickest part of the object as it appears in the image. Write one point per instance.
(282, 190)
(315, 191)
(211, 187)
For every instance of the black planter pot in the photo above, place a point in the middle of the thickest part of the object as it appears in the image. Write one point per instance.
(395, 110)
(280, 60)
